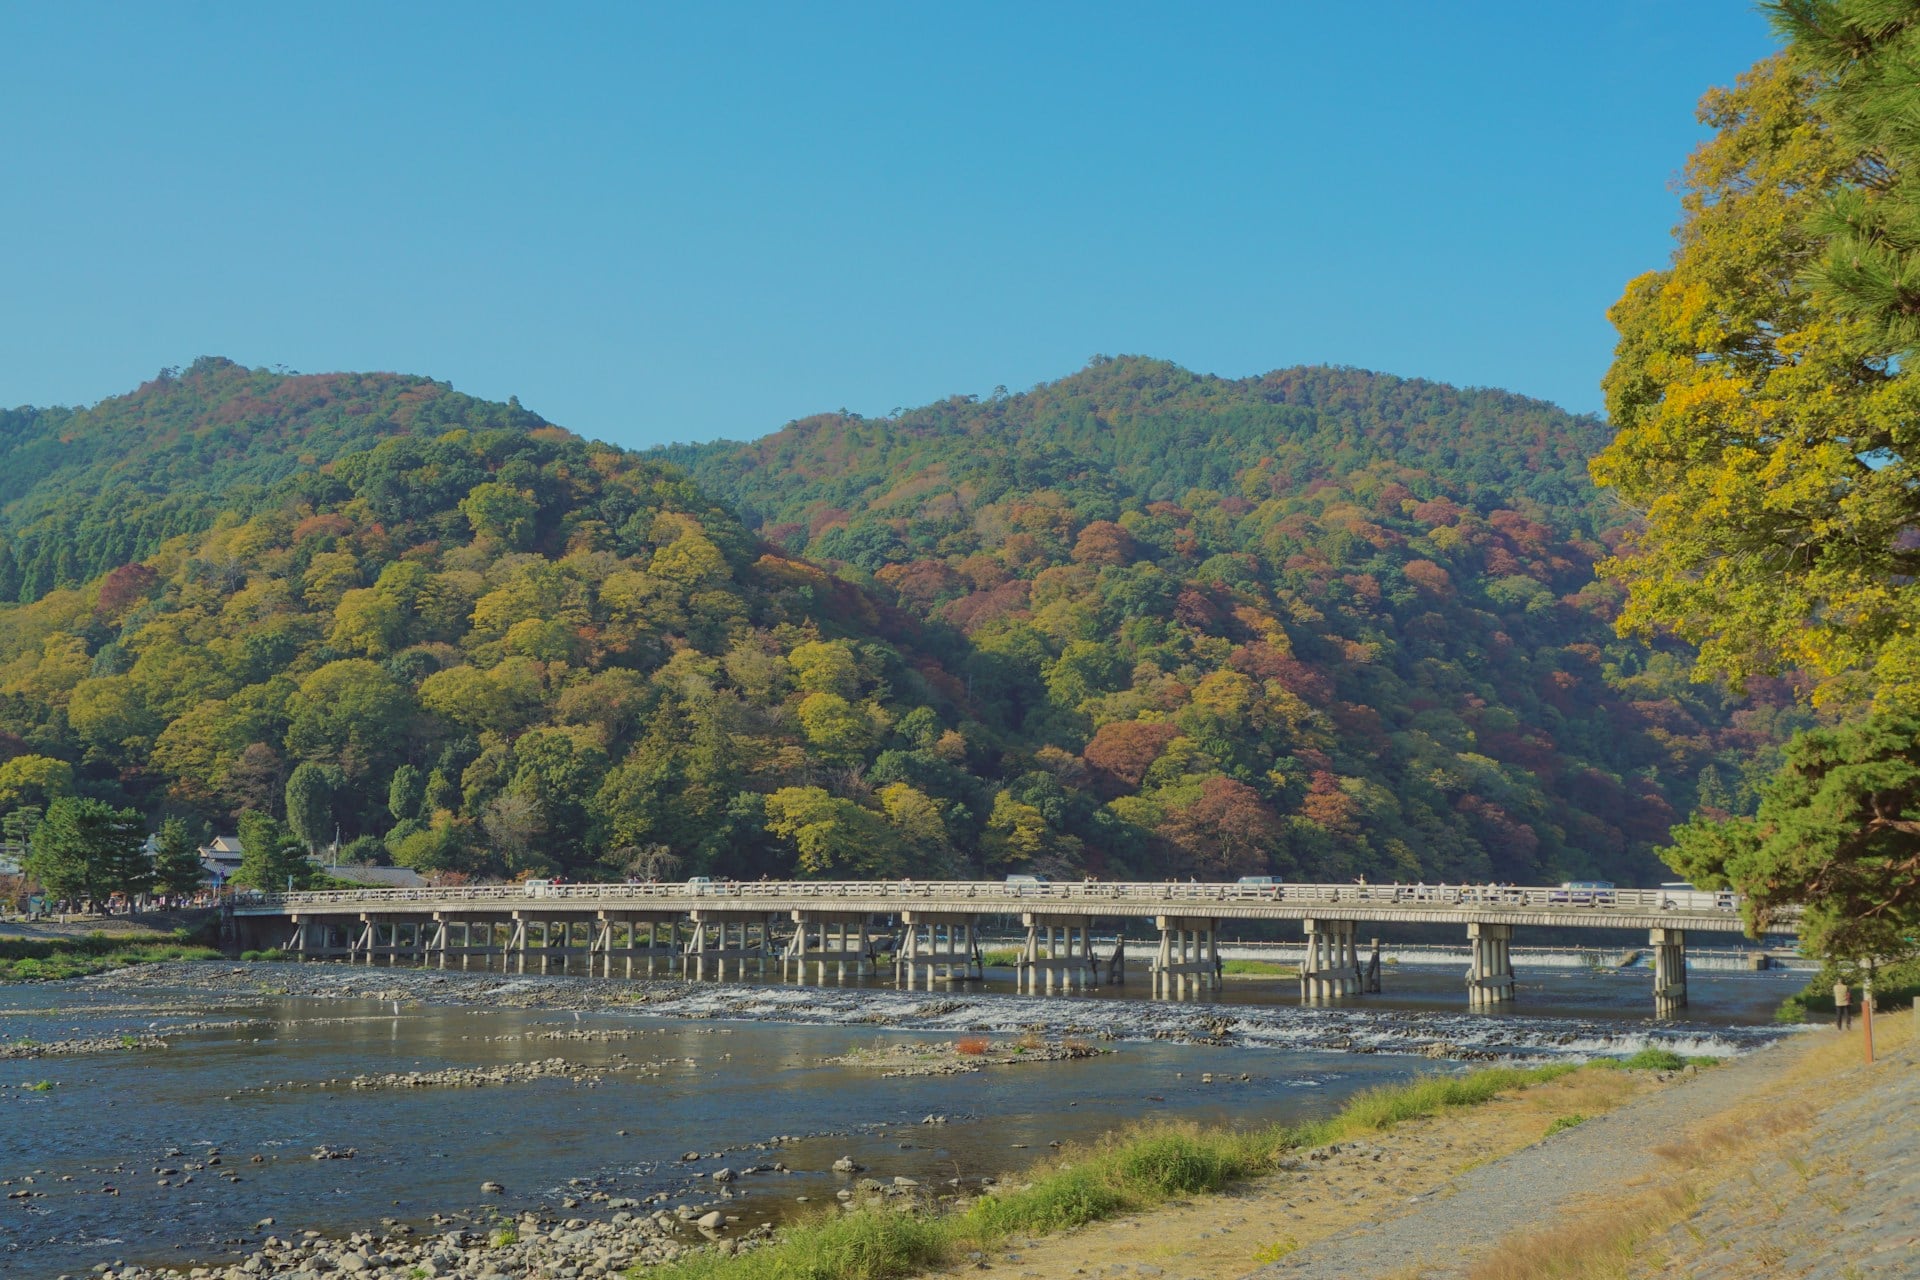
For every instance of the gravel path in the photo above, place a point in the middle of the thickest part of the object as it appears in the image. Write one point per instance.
(1445, 1232)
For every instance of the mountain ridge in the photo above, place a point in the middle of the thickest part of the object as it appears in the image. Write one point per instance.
(1136, 621)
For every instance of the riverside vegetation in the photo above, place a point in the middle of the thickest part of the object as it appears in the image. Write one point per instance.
(46, 960)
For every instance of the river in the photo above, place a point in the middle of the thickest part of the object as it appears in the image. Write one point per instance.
(661, 1070)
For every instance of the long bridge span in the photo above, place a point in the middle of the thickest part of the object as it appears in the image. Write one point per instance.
(930, 930)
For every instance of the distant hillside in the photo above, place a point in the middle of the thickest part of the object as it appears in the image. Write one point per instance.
(1134, 623)
(1134, 430)
(1352, 612)
(84, 490)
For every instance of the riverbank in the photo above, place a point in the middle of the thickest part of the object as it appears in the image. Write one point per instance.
(51, 957)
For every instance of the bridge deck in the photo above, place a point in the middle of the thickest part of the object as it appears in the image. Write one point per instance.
(1403, 904)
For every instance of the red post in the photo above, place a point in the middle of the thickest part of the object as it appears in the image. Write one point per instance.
(1866, 1016)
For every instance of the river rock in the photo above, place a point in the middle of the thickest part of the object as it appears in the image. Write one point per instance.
(712, 1221)
(845, 1164)
(492, 1189)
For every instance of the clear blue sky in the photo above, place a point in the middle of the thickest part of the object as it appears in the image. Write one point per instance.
(655, 223)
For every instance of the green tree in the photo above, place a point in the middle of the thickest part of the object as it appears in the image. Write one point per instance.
(176, 861)
(834, 836)
(32, 778)
(501, 512)
(310, 805)
(1861, 55)
(89, 849)
(270, 857)
(406, 793)
(351, 714)
(1839, 830)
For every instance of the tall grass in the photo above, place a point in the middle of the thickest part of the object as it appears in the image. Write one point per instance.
(44, 960)
(1124, 1173)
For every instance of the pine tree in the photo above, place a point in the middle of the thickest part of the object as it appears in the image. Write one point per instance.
(270, 858)
(88, 849)
(176, 864)
(1865, 57)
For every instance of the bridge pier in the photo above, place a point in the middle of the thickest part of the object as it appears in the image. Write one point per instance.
(1189, 958)
(1331, 968)
(1069, 964)
(939, 947)
(1490, 973)
(731, 932)
(827, 939)
(1669, 971)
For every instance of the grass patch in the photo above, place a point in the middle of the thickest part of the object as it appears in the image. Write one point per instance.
(1258, 969)
(1562, 1123)
(1125, 1173)
(1278, 1249)
(1594, 1246)
(1001, 958)
(1655, 1059)
(47, 960)
(1382, 1108)
(40, 1086)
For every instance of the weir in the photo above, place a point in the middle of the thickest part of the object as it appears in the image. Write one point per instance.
(722, 932)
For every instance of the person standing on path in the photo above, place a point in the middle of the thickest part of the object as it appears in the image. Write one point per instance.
(1842, 1005)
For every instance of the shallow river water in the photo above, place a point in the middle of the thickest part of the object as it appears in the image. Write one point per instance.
(711, 1069)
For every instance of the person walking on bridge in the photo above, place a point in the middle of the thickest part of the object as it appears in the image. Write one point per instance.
(1842, 1005)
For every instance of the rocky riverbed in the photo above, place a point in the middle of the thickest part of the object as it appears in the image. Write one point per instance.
(965, 1056)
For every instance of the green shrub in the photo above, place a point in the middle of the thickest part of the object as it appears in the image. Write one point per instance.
(1562, 1123)
(1654, 1059)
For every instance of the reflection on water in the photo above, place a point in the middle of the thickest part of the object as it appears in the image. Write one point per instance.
(112, 1120)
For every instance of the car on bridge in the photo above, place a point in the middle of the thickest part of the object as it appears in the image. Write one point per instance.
(1583, 893)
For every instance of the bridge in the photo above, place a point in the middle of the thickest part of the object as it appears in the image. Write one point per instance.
(930, 930)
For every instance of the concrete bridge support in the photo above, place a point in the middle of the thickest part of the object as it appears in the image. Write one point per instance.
(938, 948)
(1068, 963)
(720, 937)
(1331, 969)
(1490, 972)
(828, 941)
(465, 938)
(1669, 971)
(617, 946)
(384, 939)
(1189, 959)
(318, 938)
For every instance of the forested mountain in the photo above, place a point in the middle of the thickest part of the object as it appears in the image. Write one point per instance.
(1136, 622)
(83, 491)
